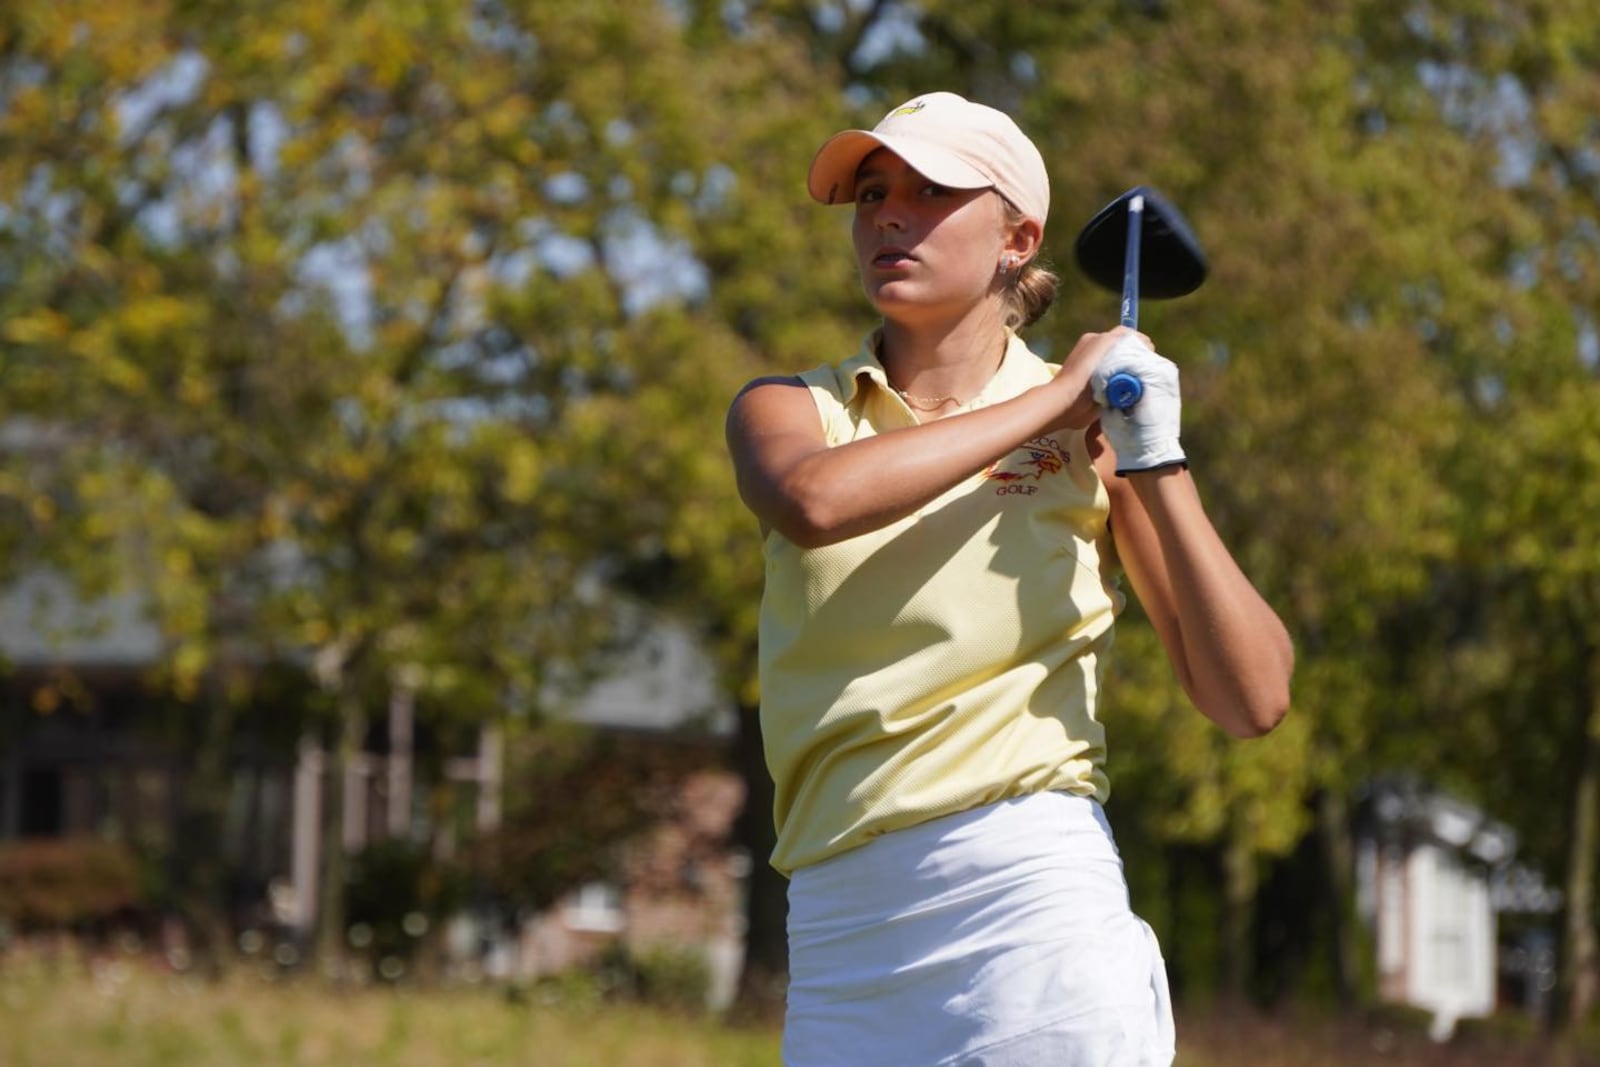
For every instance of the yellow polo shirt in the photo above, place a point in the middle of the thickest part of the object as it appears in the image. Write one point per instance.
(948, 660)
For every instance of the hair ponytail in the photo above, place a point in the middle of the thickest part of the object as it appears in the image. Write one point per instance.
(1030, 295)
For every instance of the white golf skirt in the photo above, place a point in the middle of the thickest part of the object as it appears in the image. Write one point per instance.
(998, 937)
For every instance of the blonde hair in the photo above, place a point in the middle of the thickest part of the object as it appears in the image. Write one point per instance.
(1030, 292)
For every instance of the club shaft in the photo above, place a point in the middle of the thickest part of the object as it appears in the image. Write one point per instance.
(1130, 264)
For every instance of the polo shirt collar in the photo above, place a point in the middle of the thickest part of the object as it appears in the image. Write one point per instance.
(1008, 379)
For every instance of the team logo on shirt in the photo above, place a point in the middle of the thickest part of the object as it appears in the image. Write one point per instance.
(1032, 462)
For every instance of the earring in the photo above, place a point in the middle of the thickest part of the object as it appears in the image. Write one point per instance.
(1010, 262)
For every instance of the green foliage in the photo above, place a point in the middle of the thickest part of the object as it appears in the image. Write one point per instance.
(399, 891)
(673, 978)
(580, 796)
(576, 989)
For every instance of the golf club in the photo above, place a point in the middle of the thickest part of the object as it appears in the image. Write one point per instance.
(1141, 245)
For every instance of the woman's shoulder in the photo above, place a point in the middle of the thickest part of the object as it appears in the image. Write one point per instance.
(838, 379)
(779, 388)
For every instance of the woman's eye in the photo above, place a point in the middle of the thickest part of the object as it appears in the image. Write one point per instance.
(869, 195)
(933, 189)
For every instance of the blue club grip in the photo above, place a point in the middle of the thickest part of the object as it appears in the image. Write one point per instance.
(1123, 390)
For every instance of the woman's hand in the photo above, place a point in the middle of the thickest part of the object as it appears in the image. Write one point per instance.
(1076, 395)
(1145, 435)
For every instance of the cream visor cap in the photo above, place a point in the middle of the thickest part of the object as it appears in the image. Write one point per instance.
(947, 139)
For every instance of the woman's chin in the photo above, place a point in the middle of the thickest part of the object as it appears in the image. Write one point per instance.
(896, 296)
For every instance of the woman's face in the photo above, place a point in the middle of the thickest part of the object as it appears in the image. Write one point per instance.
(923, 248)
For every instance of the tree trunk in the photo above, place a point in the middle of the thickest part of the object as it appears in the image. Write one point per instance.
(202, 852)
(1238, 903)
(352, 728)
(763, 980)
(1338, 855)
(1580, 956)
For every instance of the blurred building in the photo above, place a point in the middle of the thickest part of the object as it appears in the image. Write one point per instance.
(1434, 876)
(681, 885)
(86, 750)
(69, 774)
(83, 753)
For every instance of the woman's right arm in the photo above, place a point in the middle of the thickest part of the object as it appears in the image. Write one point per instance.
(815, 495)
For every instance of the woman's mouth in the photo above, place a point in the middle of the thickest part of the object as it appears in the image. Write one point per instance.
(892, 257)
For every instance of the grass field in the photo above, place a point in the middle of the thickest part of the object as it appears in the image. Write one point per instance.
(127, 1015)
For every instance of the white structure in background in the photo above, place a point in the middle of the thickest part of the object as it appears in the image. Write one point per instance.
(379, 801)
(1424, 866)
(661, 682)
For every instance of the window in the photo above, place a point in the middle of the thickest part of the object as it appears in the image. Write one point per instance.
(43, 806)
(596, 907)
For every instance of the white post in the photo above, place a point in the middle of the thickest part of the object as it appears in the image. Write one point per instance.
(402, 712)
(306, 852)
(355, 803)
(491, 759)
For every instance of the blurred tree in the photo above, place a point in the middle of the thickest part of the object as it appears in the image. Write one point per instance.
(388, 341)
(608, 789)
(251, 264)
(1505, 667)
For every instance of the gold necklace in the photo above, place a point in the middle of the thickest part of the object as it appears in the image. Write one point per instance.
(925, 403)
(928, 403)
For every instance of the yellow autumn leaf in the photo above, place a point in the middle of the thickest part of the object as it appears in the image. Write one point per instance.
(42, 326)
(154, 317)
(522, 474)
(46, 699)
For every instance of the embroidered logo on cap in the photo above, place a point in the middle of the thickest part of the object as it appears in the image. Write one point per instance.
(909, 109)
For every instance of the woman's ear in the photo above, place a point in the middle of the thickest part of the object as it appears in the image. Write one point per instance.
(1024, 239)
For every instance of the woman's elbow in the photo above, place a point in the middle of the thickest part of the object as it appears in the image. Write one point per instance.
(805, 535)
(790, 508)
(807, 521)
(1258, 718)
(812, 513)
(1263, 704)
(1252, 705)
(1263, 696)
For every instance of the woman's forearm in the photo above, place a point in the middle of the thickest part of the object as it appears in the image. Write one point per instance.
(832, 494)
(1237, 655)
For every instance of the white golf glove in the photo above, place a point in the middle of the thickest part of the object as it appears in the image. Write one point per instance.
(1144, 436)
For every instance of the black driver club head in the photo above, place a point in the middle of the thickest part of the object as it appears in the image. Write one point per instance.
(1171, 261)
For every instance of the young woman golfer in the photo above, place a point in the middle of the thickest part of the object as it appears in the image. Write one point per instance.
(945, 515)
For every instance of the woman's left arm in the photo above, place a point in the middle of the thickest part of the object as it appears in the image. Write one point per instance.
(1229, 648)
